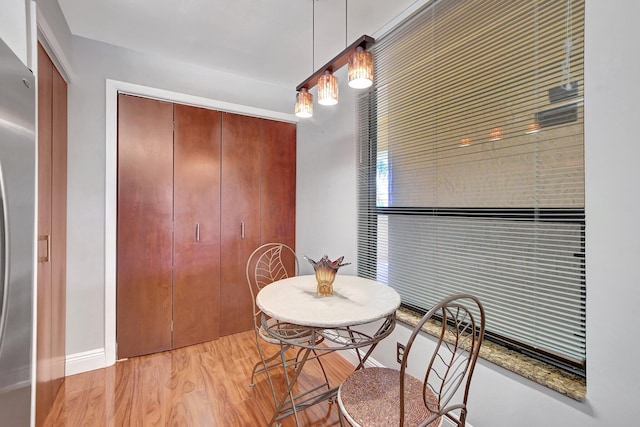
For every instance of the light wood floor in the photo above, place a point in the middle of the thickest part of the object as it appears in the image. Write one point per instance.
(201, 385)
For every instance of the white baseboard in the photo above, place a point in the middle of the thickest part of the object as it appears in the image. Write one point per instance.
(85, 361)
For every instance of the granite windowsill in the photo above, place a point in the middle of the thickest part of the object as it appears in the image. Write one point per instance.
(542, 373)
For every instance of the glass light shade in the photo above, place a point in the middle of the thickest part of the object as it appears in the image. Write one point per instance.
(304, 104)
(328, 89)
(360, 69)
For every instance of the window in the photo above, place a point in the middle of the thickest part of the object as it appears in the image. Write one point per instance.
(471, 168)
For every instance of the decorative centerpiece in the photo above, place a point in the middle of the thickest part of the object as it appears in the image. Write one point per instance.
(325, 273)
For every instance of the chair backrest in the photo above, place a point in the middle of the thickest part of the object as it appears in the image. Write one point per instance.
(461, 323)
(266, 264)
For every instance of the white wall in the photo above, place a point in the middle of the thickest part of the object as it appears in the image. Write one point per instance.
(326, 182)
(50, 9)
(55, 36)
(612, 60)
(500, 398)
(13, 27)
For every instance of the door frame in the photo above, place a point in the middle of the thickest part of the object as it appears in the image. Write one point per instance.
(113, 87)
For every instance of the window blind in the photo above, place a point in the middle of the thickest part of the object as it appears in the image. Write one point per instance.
(471, 167)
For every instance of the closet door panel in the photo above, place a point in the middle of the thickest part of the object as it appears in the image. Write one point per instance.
(240, 222)
(278, 183)
(145, 216)
(58, 229)
(196, 308)
(44, 388)
(51, 247)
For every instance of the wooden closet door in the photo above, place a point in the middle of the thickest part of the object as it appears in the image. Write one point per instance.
(145, 216)
(240, 201)
(52, 234)
(278, 183)
(196, 276)
(44, 390)
(58, 230)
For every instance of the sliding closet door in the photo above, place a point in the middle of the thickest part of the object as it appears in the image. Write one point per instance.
(240, 222)
(45, 393)
(58, 229)
(52, 234)
(145, 216)
(196, 277)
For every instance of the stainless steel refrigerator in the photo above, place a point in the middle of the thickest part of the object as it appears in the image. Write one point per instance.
(17, 225)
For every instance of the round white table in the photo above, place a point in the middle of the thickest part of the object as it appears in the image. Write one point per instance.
(355, 301)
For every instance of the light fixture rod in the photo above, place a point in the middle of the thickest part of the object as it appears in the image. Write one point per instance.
(337, 62)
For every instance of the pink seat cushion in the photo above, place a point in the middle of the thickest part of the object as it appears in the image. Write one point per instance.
(371, 397)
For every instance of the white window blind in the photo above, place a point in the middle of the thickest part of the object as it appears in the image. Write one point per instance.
(471, 167)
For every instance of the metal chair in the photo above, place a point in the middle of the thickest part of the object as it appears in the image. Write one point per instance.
(268, 263)
(388, 397)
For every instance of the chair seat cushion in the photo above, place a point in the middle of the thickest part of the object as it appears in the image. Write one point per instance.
(371, 397)
(293, 333)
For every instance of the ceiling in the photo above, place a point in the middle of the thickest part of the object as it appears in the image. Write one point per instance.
(266, 40)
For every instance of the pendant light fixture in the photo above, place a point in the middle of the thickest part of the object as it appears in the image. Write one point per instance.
(328, 89)
(360, 72)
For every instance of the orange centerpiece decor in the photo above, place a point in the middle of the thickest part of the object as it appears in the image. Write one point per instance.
(325, 273)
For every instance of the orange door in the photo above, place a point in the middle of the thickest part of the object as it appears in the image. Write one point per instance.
(240, 217)
(196, 276)
(58, 230)
(44, 388)
(52, 234)
(145, 217)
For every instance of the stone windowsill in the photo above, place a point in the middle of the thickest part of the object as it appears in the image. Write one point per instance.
(542, 373)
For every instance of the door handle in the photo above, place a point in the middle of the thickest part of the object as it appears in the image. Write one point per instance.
(242, 230)
(47, 239)
(197, 232)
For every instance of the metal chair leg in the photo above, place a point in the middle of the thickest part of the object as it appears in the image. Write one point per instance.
(324, 373)
(265, 366)
(289, 392)
(257, 368)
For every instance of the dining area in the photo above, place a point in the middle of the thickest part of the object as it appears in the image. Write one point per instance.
(323, 314)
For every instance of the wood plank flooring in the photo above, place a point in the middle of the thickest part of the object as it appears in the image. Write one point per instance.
(201, 385)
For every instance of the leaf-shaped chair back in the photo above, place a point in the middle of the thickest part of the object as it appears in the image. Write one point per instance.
(462, 320)
(268, 263)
